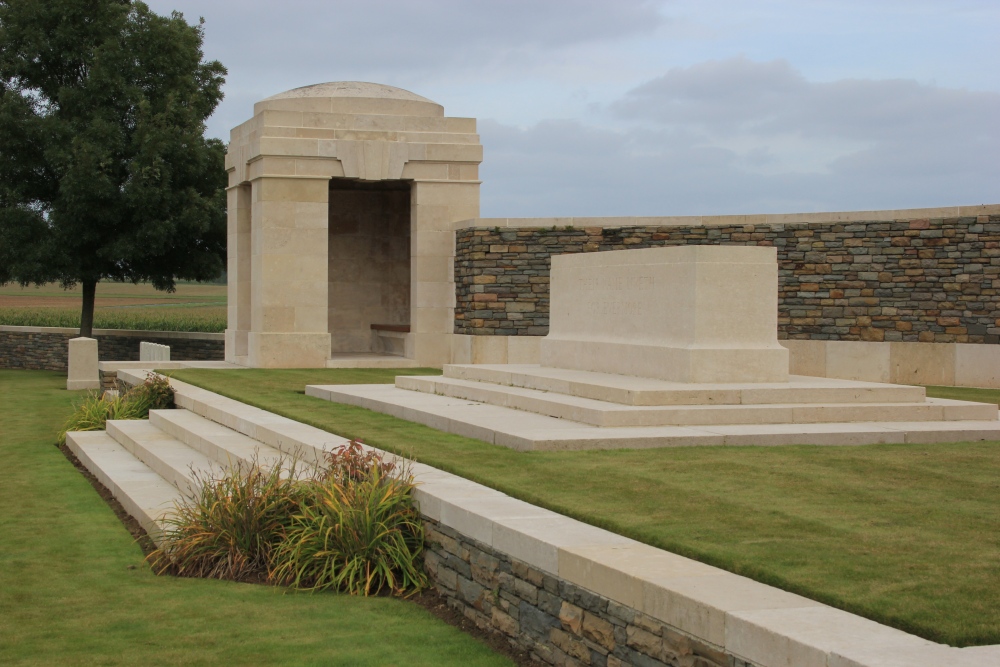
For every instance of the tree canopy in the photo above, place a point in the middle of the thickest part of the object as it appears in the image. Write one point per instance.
(105, 172)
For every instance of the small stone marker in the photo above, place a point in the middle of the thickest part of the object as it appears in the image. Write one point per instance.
(153, 352)
(703, 314)
(83, 373)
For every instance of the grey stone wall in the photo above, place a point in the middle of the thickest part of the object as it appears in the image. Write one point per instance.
(40, 348)
(921, 280)
(557, 622)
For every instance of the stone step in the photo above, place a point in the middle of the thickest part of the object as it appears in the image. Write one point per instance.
(144, 494)
(168, 457)
(605, 414)
(526, 431)
(629, 390)
(217, 442)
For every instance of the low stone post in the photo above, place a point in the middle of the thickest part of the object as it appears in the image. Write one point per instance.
(83, 372)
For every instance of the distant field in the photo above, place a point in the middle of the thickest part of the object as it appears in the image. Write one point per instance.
(193, 307)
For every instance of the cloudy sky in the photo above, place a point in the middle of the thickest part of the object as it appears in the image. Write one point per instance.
(659, 107)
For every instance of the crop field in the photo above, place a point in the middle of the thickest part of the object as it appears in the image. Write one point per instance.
(192, 307)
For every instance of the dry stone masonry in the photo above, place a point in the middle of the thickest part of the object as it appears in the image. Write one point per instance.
(934, 280)
(558, 622)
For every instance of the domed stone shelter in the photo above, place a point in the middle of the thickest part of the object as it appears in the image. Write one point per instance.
(343, 199)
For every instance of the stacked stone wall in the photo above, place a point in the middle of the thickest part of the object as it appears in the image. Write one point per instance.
(38, 349)
(920, 280)
(557, 622)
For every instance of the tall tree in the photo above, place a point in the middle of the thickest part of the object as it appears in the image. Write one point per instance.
(105, 172)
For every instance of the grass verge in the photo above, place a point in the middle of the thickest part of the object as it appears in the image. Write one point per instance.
(908, 535)
(74, 589)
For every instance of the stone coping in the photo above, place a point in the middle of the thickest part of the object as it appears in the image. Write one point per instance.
(756, 622)
(128, 333)
(753, 219)
(115, 366)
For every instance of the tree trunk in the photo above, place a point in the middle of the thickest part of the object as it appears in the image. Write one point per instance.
(87, 314)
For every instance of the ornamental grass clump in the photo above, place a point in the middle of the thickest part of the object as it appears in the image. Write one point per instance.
(359, 531)
(231, 525)
(135, 403)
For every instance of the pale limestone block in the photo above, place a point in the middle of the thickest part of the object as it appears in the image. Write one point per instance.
(461, 349)
(701, 603)
(922, 363)
(326, 167)
(856, 360)
(523, 349)
(618, 571)
(433, 270)
(288, 350)
(454, 153)
(446, 194)
(977, 365)
(432, 295)
(806, 357)
(83, 371)
(288, 146)
(433, 244)
(431, 320)
(686, 314)
(293, 189)
(420, 171)
(540, 540)
(432, 349)
(806, 637)
(489, 349)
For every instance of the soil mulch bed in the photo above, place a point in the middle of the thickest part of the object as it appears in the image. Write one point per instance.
(429, 599)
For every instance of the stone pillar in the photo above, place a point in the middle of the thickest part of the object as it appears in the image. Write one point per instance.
(289, 273)
(238, 271)
(83, 372)
(436, 208)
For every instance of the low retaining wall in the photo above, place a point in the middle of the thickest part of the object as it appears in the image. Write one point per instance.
(557, 622)
(45, 348)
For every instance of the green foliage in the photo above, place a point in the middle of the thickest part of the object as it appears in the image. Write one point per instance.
(351, 526)
(230, 528)
(97, 408)
(359, 532)
(105, 172)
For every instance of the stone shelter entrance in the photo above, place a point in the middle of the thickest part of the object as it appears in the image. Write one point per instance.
(343, 199)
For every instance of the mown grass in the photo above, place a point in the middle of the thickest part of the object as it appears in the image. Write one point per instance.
(74, 589)
(908, 535)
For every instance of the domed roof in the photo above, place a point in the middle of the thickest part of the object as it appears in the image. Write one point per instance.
(350, 89)
(351, 97)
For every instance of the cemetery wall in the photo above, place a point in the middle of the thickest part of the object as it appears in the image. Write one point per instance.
(892, 277)
(45, 348)
(556, 621)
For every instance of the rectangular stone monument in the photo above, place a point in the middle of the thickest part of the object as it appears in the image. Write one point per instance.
(698, 314)
(153, 352)
(83, 372)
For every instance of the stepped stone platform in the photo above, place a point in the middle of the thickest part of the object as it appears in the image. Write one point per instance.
(151, 465)
(529, 407)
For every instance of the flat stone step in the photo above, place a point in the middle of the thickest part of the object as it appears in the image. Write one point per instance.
(630, 390)
(168, 457)
(143, 493)
(369, 360)
(606, 414)
(528, 431)
(217, 442)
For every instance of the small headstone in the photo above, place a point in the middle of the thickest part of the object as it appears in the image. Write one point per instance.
(153, 352)
(83, 372)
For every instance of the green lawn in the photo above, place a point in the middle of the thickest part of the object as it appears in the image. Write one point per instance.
(908, 535)
(74, 589)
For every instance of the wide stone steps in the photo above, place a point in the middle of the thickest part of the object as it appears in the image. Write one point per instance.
(168, 457)
(144, 494)
(629, 390)
(608, 414)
